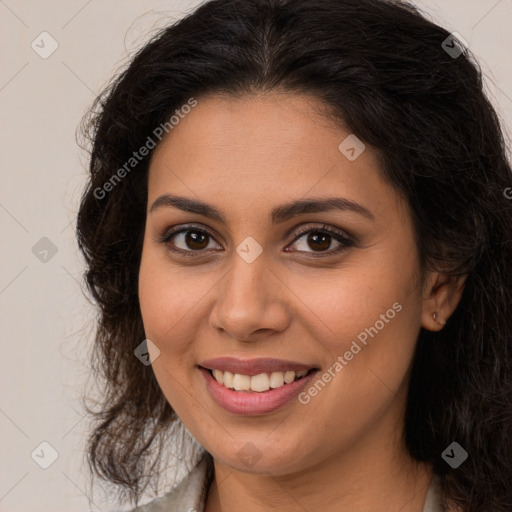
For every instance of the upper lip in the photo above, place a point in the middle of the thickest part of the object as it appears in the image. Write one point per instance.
(253, 366)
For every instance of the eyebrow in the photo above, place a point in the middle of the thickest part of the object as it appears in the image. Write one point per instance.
(279, 214)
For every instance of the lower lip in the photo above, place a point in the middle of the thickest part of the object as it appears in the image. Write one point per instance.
(254, 403)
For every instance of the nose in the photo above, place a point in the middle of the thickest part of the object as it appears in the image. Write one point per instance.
(250, 301)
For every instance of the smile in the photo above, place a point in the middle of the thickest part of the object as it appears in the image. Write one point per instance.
(256, 383)
(268, 388)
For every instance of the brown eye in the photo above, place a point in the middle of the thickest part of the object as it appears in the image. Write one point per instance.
(319, 241)
(188, 241)
(192, 241)
(196, 240)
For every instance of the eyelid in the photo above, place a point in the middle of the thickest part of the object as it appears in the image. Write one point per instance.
(180, 228)
(346, 240)
(303, 229)
(183, 228)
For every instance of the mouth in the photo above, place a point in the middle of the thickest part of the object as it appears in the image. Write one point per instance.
(254, 387)
(258, 383)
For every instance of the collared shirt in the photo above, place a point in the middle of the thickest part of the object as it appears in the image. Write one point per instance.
(190, 494)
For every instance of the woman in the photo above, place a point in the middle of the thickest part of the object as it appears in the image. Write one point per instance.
(297, 234)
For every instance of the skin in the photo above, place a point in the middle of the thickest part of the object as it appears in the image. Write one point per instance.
(343, 450)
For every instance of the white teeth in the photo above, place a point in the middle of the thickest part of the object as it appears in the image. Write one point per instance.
(289, 376)
(276, 379)
(228, 379)
(219, 376)
(259, 383)
(241, 382)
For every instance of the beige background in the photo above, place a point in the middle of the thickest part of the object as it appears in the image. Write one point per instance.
(45, 320)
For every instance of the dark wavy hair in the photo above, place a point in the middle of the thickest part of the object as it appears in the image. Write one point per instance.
(381, 68)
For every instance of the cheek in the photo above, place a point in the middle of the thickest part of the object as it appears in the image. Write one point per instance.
(169, 300)
(343, 307)
(367, 362)
(370, 317)
(167, 307)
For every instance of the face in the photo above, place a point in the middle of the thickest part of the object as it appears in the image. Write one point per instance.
(251, 273)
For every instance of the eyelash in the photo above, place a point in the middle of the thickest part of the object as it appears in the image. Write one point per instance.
(337, 235)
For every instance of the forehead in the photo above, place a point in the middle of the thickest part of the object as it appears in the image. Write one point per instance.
(263, 150)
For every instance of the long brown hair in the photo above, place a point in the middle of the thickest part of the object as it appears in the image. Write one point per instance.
(384, 69)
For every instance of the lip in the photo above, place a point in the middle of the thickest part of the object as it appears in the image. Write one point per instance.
(253, 366)
(254, 403)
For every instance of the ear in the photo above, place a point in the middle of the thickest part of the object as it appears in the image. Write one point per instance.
(441, 295)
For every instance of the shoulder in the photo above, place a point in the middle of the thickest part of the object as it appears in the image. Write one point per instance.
(436, 502)
(189, 495)
(433, 501)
